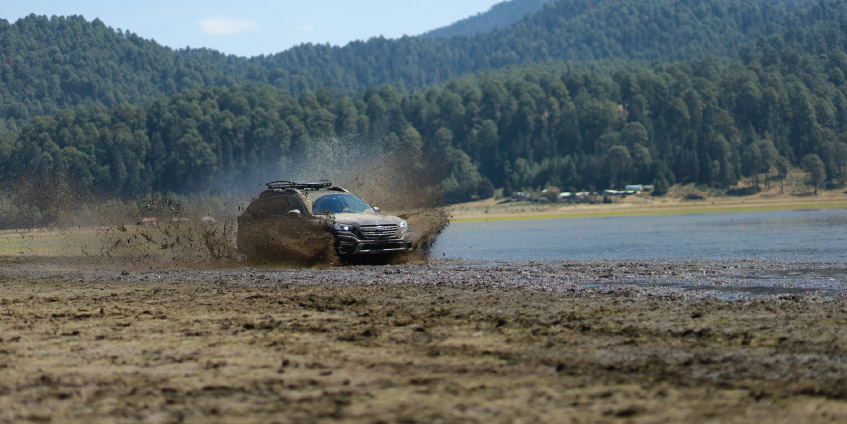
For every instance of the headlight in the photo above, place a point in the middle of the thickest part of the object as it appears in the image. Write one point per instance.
(341, 227)
(404, 224)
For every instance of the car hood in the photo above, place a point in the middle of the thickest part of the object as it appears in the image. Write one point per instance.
(366, 219)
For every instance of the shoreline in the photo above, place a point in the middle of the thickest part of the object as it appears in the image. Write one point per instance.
(491, 210)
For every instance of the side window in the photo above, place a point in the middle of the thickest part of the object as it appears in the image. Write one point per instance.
(276, 206)
(293, 203)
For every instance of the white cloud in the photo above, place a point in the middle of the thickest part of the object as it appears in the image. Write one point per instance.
(305, 28)
(224, 25)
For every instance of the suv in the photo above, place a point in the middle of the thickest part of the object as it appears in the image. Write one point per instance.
(296, 215)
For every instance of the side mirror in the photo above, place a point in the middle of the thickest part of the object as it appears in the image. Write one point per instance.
(294, 213)
(376, 209)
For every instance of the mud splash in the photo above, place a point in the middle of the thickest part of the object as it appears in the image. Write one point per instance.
(169, 234)
(401, 185)
(185, 235)
(201, 231)
(395, 181)
(266, 243)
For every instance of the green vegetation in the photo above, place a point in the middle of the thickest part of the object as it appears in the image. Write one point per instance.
(123, 117)
(501, 15)
(65, 62)
(565, 30)
(813, 165)
(51, 64)
(700, 121)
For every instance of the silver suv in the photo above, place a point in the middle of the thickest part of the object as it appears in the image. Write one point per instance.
(296, 216)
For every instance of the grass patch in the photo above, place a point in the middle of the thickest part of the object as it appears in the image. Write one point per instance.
(656, 211)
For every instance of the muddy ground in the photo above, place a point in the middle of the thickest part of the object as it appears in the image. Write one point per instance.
(445, 341)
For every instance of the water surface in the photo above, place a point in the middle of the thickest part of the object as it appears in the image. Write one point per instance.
(799, 252)
(819, 235)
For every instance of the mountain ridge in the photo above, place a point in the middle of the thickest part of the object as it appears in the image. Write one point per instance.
(500, 15)
(47, 64)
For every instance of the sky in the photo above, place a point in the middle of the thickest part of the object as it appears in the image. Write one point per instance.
(254, 27)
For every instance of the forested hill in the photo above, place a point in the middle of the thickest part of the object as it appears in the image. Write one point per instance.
(708, 121)
(565, 30)
(51, 64)
(500, 15)
(57, 63)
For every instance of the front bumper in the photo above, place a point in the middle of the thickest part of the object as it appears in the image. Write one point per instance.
(349, 244)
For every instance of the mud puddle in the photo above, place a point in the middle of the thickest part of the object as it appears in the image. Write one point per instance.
(766, 278)
(723, 279)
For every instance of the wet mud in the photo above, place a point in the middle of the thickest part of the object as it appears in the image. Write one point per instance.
(442, 341)
(287, 243)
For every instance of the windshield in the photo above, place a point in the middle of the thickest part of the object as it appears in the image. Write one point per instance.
(340, 203)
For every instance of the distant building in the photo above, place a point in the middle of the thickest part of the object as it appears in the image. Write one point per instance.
(619, 192)
(639, 187)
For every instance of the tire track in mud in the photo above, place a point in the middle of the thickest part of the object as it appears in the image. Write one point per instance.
(442, 341)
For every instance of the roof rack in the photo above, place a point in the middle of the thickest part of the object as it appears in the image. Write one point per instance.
(301, 185)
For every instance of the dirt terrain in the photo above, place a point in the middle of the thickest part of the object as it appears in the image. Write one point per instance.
(444, 341)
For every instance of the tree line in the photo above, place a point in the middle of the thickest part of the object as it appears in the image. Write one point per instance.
(706, 121)
(48, 64)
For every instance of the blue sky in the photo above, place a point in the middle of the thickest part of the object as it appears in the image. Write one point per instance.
(253, 27)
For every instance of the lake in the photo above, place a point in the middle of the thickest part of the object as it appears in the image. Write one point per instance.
(812, 235)
(798, 252)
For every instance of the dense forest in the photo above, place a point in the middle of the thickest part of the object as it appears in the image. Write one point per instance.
(65, 62)
(195, 120)
(704, 121)
(501, 15)
(564, 30)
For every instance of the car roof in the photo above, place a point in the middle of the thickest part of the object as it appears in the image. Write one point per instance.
(307, 196)
(301, 193)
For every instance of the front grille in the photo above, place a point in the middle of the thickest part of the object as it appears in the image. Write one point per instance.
(378, 232)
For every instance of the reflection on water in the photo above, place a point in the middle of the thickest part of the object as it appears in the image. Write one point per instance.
(809, 245)
(819, 235)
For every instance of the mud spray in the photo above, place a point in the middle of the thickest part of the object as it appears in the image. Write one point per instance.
(168, 233)
(395, 181)
(201, 231)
